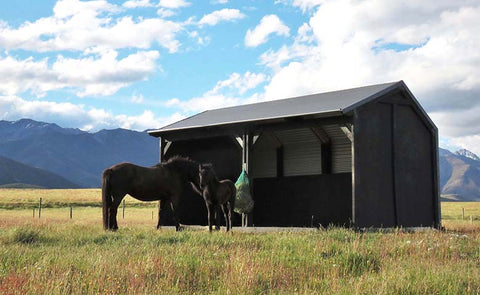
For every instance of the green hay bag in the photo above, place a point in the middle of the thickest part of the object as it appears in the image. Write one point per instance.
(243, 199)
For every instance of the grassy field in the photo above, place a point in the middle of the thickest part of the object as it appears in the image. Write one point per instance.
(59, 255)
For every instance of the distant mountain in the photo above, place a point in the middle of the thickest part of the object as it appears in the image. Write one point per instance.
(15, 174)
(467, 154)
(459, 175)
(74, 154)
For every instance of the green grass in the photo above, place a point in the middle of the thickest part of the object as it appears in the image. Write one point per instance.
(59, 255)
(61, 259)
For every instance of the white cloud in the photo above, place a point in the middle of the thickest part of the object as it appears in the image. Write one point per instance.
(71, 115)
(306, 5)
(217, 16)
(137, 98)
(79, 25)
(99, 74)
(226, 93)
(270, 24)
(173, 3)
(137, 3)
(219, 1)
(431, 45)
(162, 12)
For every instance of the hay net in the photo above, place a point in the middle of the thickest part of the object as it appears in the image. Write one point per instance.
(243, 199)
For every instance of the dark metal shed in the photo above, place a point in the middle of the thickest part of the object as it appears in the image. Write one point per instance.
(362, 157)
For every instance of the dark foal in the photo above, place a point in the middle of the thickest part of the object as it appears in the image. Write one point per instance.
(217, 194)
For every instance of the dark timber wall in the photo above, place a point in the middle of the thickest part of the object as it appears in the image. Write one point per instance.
(292, 201)
(393, 156)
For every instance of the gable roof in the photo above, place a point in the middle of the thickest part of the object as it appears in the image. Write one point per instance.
(328, 103)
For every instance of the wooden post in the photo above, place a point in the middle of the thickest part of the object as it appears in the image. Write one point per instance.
(152, 215)
(463, 213)
(471, 219)
(71, 212)
(40, 208)
(123, 211)
(33, 212)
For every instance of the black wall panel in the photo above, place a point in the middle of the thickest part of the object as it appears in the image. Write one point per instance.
(292, 201)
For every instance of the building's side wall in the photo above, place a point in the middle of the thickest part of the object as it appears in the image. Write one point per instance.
(303, 200)
(413, 169)
(393, 165)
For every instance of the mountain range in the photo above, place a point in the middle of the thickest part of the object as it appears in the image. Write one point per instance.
(46, 155)
(73, 154)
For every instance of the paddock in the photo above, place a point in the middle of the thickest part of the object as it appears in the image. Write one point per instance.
(361, 157)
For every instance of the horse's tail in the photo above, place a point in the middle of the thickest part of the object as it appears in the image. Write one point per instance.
(106, 197)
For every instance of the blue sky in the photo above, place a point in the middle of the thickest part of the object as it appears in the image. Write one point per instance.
(142, 64)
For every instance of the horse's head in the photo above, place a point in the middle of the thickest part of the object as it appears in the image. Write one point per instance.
(205, 174)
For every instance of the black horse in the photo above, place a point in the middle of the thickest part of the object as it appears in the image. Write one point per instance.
(217, 194)
(165, 182)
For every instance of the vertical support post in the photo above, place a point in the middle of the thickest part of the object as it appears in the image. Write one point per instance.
(33, 213)
(326, 152)
(123, 209)
(437, 208)
(71, 212)
(247, 220)
(40, 208)
(352, 142)
(463, 213)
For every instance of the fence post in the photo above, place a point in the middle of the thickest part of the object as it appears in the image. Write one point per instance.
(123, 214)
(463, 213)
(33, 212)
(71, 212)
(40, 208)
(471, 219)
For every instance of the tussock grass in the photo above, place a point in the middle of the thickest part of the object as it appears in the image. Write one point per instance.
(84, 259)
(59, 255)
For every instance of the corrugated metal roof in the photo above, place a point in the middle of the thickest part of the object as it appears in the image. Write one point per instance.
(336, 102)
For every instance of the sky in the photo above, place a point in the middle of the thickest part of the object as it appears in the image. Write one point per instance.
(142, 64)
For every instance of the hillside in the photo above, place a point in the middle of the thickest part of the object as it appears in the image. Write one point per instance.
(460, 175)
(15, 174)
(77, 155)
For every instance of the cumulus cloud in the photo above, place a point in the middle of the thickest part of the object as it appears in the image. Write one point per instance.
(101, 72)
(270, 24)
(173, 3)
(217, 16)
(137, 3)
(78, 25)
(431, 45)
(71, 115)
(226, 93)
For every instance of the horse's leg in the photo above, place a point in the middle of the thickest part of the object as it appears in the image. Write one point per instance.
(224, 210)
(174, 205)
(161, 208)
(112, 221)
(229, 208)
(211, 215)
(217, 217)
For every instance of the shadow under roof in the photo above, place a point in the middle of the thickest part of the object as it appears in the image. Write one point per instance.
(328, 103)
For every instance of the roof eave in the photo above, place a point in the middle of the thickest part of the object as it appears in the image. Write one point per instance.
(333, 113)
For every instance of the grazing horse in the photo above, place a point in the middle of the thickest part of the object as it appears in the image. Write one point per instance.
(165, 182)
(217, 194)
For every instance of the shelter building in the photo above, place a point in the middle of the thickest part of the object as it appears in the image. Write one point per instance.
(361, 157)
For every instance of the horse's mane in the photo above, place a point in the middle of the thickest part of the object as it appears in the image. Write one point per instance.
(179, 163)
